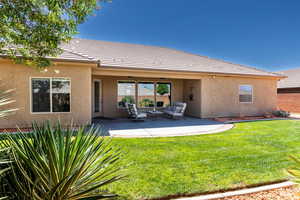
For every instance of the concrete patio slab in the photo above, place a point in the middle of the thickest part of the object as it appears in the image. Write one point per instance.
(161, 127)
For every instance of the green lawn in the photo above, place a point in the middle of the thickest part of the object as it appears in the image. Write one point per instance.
(250, 153)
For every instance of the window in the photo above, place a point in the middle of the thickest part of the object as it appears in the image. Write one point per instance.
(50, 95)
(126, 93)
(60, 95)
(163, 94)
(146, 94)
(245, 94)
(40, 95)
(96, 96)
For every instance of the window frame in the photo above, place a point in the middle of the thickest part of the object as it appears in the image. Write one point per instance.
(51, 102)
(252, 96)
(136, 91)
(161, 82)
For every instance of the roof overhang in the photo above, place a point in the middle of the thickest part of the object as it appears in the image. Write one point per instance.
(65, 60)
(128, 69)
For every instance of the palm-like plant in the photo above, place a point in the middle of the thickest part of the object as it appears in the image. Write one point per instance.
(53, 163)
(5, 101)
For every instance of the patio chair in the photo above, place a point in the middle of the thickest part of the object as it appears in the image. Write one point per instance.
(134, 114)
(176, 110)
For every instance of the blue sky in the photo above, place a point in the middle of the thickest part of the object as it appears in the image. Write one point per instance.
(260, 33)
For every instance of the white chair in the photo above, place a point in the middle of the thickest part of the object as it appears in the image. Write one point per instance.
(176, 110)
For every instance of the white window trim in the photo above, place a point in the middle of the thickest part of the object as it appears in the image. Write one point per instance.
(136, 91)
(51, 112)
(252, 96)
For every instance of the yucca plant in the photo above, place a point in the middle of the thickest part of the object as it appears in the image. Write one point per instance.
(5, 110)
(55, 163)
(5, 102)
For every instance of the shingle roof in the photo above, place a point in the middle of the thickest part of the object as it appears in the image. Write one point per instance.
(74, 56)
(124, 55)
(292, 80)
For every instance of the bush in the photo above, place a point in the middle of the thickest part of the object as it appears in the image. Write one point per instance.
(56, 163)
(128, 99)
(146, 103)
(281, 113)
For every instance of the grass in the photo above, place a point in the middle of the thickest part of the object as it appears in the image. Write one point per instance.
(250, 153)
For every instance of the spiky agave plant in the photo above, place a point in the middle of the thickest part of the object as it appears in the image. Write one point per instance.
(53, 163)
(5, 110)
(5, 101)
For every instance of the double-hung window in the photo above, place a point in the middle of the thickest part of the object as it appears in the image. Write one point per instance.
(50, 95)
(246, 94)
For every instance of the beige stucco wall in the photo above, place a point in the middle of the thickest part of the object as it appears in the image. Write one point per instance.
(213, 96)
(220, 96)
(18, 77)
(192, 96)
(109, 93)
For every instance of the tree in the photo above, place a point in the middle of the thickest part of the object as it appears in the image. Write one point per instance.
(31, 30)
(163, 89)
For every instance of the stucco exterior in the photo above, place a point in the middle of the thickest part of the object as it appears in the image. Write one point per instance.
(109, 93)
(220, 96)
(206, 95)
(212, 95)
(18, 77)
(192, 96)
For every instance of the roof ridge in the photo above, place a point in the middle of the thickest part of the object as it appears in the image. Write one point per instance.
(289, 70)
(80, 54)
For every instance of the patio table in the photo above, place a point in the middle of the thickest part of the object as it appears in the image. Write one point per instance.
(154, 114)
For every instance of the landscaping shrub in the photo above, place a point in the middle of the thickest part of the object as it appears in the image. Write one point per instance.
(146, 103)
(57, 163)
(281, 113)
(127, 99)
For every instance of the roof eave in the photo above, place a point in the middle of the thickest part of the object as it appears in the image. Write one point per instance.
(198, 72)
(65, 60)
(75, 60)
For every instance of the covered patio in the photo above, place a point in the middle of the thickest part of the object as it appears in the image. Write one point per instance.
(161, 127)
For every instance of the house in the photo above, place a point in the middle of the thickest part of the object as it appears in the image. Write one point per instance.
(289, 91)
(94, 79)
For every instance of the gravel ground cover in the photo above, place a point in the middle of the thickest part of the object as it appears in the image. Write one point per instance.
(287, 193)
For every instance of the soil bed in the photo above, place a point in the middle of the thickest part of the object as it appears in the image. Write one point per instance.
(287, 193)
